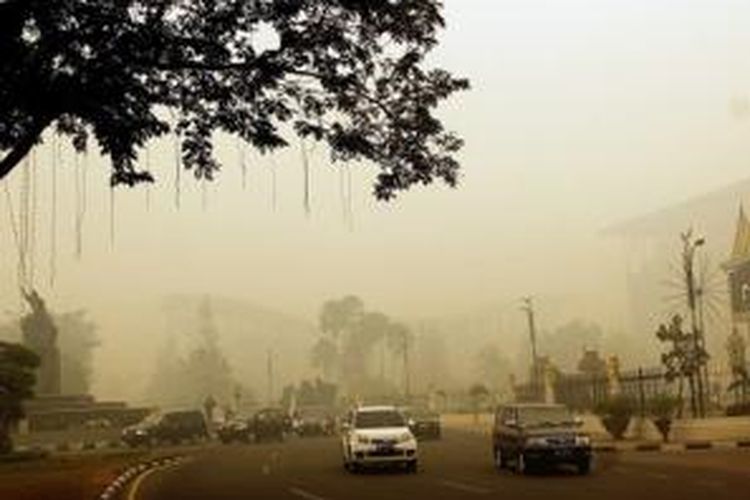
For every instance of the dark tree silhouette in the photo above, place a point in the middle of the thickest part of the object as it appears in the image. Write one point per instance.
(350, 73)
(17, 379)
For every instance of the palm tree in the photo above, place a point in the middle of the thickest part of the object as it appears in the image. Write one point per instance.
(325, 357)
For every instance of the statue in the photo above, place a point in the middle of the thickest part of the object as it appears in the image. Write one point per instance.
(613, 376)
(40, 335)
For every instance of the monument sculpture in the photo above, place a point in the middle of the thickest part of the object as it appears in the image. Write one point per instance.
(40, 335)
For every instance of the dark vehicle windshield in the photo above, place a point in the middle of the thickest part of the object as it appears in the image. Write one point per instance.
(422, 414)
(378, 419)
(545, 416)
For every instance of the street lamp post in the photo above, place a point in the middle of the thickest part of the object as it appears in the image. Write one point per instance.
(694, 294)
(528, 307)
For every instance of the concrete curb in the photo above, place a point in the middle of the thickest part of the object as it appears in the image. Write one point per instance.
(118, 486)
(625, 447)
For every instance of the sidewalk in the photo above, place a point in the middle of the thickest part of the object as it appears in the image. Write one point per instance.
(717, 432)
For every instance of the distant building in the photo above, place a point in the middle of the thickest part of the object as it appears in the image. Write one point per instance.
(652, 246)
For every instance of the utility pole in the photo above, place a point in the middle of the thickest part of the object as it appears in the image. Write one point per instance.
(528, 307)
(407, 381)
(693, 293)
(269, 368)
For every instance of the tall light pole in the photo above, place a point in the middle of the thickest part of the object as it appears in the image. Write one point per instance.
(269, 368)
(690, 246)
(528, 307)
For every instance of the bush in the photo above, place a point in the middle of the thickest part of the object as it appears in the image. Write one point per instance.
(615, 414)
(662, 408)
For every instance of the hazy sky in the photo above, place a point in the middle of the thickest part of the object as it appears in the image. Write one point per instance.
(582, 113)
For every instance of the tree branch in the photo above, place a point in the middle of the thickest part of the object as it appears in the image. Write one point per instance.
(23, 146)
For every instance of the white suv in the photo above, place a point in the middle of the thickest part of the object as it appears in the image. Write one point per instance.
(378, 436)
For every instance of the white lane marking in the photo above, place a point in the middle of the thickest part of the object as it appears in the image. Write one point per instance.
(467, 488)
(305, 494)
(133, 492)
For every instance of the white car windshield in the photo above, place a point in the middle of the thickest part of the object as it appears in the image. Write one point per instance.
(378, 419)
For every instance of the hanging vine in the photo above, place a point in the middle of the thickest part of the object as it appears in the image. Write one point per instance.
(349, 199)
(112, 217)
(147, 154)
(15, 230)
(33, 209)
(176, 140)
(273, 184)
(53, 212)
(242, 155)
(80, 202)
(23, 215)
(305, 151)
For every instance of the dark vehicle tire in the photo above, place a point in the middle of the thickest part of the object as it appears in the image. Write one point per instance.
(522, 466)
(584, 467)
(412, 467)
(499, 459)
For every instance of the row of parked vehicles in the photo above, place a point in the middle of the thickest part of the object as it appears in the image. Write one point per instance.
(179, 427)
(268, 424)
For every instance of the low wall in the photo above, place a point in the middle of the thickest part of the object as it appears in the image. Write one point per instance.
(709, 429)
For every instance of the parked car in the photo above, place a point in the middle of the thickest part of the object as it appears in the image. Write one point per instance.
(167, 428)
(314, 421)
(269, 424)
(378, 436)
(424, 423)
(234, 430)
(531, 435)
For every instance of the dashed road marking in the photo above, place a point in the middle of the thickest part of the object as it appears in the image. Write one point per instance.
(305, 494)
(467, 488)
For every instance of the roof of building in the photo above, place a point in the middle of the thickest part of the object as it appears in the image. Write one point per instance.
(715, 203)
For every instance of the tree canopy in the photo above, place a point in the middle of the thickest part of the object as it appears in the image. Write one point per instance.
(350, 73)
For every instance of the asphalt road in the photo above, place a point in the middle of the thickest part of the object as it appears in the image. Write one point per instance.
(457, 467)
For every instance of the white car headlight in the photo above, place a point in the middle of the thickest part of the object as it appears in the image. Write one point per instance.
(405, 437)
(583, 441)
(362, 439)
(536, 441)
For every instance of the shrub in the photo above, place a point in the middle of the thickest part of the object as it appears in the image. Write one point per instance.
(615, 414)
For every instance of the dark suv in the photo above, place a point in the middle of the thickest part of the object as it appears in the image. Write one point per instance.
(172, 428)
(529, 435)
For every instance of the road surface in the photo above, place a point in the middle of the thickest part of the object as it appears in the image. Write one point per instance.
(457, 467)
